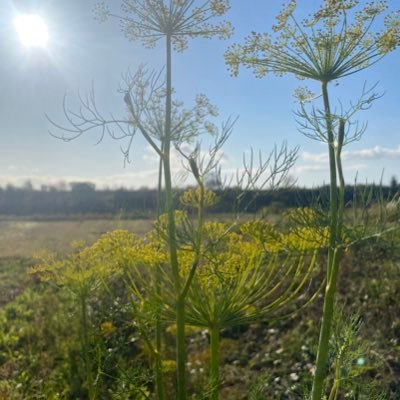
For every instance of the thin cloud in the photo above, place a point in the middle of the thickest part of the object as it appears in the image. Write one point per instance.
(373, 153)
(134, 179)
(319, 158)
(130, 180)
(310, 168)
(324, 168)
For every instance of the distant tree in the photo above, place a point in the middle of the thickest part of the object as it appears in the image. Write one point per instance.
(28, 186)
(60, 186)
(289, 182)
(82, 186)
(44, 188)
(394, 185)
(213, 180)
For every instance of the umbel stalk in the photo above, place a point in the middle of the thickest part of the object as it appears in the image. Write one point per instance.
(334, 251)
(173, 257)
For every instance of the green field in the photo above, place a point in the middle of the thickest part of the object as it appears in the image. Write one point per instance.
(20, 238)
(280, 353)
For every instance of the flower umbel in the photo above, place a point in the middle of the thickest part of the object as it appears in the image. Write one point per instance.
(151, 20)
(323, 47)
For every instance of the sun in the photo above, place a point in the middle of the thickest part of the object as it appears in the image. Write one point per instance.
(32, 30)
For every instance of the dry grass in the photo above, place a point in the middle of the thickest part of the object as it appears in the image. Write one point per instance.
(24, 238)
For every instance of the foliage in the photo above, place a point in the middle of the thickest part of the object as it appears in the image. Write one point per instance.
(336, 41)
(35, 346)
(235, 265)
(90, 273)
(91, 277)
(40, 350)
(13, 279)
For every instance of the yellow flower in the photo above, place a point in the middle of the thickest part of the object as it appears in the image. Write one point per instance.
(192, 198)
(107, 329)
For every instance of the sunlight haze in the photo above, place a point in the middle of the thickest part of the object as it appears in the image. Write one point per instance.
(85, 53)
(32, 30)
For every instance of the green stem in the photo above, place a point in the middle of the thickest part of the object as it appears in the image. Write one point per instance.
(214, 363)
(158, 361)
(169, 206)
(341, 133)
(85, 350)
(334, 256)
(325, 333)
(181, 349)
(198, 242)
(180, 304)
(336, 382)
(158, 325)
(334, 390)
(333, 193)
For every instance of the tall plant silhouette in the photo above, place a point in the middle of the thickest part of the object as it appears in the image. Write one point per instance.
(208, 248)
(336, 41)
(144, 93)
(173, 21)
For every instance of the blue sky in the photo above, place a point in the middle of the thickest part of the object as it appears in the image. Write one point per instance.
(82, 51)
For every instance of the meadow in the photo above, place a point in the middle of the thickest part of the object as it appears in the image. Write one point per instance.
(40, 325)
(22, 238)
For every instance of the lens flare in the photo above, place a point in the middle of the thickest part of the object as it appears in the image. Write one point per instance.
(32, 30)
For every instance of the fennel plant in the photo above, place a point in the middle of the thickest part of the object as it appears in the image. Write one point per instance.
(338, 40)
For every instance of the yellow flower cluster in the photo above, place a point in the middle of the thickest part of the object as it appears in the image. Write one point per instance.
(87, 267)
(107, 329)
(193, 197)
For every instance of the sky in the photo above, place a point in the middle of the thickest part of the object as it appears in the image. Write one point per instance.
(83, 52)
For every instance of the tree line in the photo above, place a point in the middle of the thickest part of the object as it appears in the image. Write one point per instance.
(83, 199)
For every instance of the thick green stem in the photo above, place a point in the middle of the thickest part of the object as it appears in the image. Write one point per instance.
(180, 305)
(214, 363)
(169, 206)
(325, 333)
(333, 193)
(158, 326)
(334, 256)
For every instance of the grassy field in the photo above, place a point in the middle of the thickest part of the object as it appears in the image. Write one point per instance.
(282, 352)
(20, 238)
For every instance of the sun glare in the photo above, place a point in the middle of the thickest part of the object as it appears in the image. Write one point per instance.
(32, 30)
